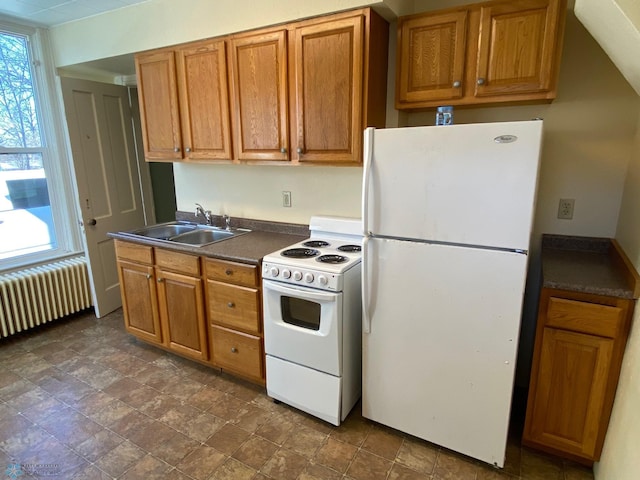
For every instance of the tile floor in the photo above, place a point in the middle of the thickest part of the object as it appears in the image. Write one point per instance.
(82, 399)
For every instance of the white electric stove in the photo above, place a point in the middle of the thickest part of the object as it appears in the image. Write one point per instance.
(312, 319)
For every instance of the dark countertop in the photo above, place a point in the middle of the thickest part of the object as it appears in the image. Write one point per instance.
(585, 264)
(247, 248)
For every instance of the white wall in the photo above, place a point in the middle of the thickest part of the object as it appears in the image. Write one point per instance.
(158, 23)
(620, 459)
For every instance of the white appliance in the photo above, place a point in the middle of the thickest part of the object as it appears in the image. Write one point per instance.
(312, 319)
(447, 216)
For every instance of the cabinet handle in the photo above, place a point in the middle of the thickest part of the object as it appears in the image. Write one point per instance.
(160, 280)
(228, 271)
(231, 304)
(299, 150)
(187, 149)
(148, 276)
(480, 81)
(283, 150)
(176, 149)
(234, 350)
(456, 84)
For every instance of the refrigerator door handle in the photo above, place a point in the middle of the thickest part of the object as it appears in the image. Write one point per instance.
(366, 281)
(366, 174)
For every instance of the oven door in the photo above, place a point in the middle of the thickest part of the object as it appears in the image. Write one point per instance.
(303, 326)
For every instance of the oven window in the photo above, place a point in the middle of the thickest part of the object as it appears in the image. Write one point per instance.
(300, 312)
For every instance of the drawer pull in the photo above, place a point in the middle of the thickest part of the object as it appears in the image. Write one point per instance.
(234, 350)
(231, 304)
(228, 271)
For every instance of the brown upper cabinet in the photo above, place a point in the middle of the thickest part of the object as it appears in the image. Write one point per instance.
(486, 53)
(184, 105)
(299, 93)
(260, 95)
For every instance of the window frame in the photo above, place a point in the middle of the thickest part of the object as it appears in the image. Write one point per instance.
(59, 173)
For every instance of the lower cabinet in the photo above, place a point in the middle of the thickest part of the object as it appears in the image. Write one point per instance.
(580, 341)
(181, 303)
(201, 308)
(235, 322)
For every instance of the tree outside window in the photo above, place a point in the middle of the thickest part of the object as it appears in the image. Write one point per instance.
(26, 223)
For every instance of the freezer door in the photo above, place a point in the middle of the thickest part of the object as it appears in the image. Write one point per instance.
(466, 184)
(439, 358)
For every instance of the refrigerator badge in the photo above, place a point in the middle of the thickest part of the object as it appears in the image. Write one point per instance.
(505, 139)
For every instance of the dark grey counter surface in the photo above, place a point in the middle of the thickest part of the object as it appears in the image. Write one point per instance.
(583, 264)
(247, 248)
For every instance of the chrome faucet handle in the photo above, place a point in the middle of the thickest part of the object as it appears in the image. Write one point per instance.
(227, 222)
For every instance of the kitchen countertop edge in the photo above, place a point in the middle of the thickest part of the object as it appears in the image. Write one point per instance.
(246, 248)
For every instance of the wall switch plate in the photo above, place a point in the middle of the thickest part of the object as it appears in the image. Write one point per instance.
(286, 199)
(565, 208)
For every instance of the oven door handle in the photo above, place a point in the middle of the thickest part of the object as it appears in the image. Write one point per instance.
(305, 294)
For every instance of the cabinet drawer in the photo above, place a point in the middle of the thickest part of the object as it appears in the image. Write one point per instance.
(584, 317)
(178, 262)
(134, 252)
(237, 352)
(234, 306)
(238, 273)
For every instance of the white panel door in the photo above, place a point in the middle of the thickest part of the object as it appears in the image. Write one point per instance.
(439, 358)
(454, 184)
(107, 175)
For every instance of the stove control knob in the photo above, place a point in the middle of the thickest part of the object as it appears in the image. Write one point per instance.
(297, 275)
(308, 277)
(286, 273)
(274, 271)
(323, 280)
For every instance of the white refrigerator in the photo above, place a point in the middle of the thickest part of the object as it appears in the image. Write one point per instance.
(447, 216)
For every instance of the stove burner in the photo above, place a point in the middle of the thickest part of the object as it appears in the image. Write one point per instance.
(300, 253)
(350, 248)
(316, 243)
(332, 259)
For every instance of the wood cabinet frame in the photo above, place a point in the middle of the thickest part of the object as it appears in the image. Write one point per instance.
(580, 341)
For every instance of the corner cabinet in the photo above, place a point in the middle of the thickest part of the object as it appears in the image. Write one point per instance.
(580, 341)
(184, 105)
(299, 93)
(487, 53)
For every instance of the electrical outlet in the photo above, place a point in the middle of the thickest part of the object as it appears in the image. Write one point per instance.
(286, 199)
(565, 208)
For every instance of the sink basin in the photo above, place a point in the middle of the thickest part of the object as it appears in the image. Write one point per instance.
(193, 234)
(202, 236)
(165, 231)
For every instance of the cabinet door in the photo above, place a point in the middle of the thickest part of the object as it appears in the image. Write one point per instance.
(204, 100)
(234, 306)
(181, 302)
(431, 57)
(259, 85)
(327, 91)
(516, 47)
(570, 393)
(139, 301)
(159, 111)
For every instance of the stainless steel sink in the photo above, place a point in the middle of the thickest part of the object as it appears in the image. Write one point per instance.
(202, 236)
(164, 231)
(185, 233)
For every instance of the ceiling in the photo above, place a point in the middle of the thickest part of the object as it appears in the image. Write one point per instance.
(54, 12)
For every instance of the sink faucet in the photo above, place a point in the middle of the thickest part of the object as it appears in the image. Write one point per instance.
(227, 222)
(200, 211)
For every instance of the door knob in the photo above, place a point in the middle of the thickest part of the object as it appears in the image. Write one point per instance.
(91, 222)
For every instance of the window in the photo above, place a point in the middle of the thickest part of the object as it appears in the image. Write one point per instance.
(35, 199)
